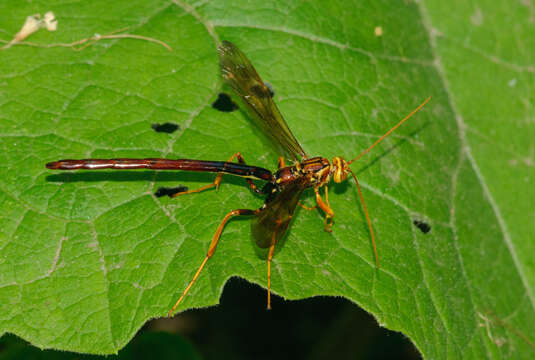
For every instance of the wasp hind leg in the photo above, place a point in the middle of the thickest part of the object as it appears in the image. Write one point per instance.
(269, 258)
(211, 251)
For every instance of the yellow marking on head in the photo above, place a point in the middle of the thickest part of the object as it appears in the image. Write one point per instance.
(339, 169)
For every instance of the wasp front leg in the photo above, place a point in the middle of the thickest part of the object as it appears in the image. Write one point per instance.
(324, 205)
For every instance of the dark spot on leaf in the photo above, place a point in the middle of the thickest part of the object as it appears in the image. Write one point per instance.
(166, 191)
(423, 226)
(224, 103)
(167, 127)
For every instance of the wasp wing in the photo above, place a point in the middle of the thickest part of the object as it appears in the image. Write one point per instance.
(240, 74)
(272, 222)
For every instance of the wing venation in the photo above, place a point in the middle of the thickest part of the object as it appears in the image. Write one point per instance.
(240, 74)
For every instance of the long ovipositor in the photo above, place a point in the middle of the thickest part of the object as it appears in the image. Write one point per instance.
(247, 171)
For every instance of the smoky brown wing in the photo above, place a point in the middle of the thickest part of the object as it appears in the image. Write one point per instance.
(272, 222)
(240, 74)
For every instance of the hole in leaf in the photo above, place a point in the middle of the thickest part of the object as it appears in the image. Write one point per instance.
(422, 225)
(167, 127)
(224, 103)
(170, 191)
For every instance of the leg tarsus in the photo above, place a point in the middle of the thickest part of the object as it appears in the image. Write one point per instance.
(202, 188)
(270, 256)
(308, 208)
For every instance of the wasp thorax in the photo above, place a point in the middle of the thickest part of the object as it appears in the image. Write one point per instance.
(339, 169)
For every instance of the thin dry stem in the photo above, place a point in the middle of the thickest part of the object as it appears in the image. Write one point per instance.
(93, 39)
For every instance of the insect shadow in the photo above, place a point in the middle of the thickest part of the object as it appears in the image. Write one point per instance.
(381, 155)
(147, 175)
(178, 177)
(156, 176)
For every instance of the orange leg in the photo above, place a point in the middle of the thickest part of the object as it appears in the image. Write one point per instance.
(211, 251)
(281, 162)
(270, 256)
(308, 208)
(367, 219)
(329, 213)
(218, 179)
(202, 188)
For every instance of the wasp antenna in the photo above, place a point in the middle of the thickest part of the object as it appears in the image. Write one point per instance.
(367, 217)
(390, 131)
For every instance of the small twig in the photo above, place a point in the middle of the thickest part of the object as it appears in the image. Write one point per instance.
(93, 39)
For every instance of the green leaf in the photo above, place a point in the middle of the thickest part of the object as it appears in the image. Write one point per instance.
(87, 257)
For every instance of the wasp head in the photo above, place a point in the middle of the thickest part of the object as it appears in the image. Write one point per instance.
(340, 169)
